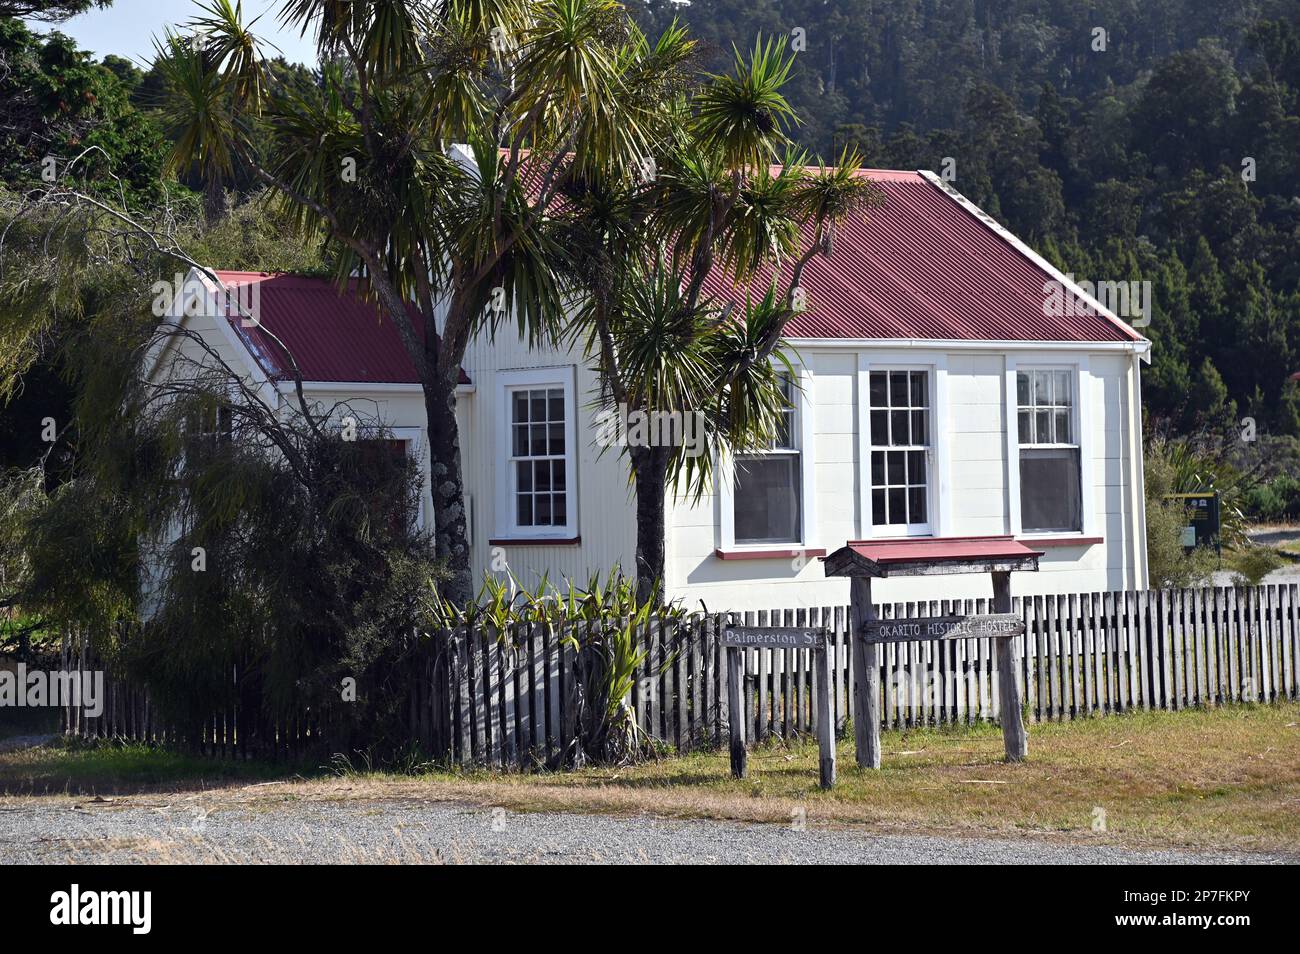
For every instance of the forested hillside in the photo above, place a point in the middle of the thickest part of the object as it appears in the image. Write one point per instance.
(1112, 135)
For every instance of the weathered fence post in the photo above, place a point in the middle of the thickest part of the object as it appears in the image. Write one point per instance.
(735, 715)
(825, 719)
(1014, 737)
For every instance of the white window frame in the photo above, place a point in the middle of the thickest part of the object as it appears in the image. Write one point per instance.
(1080, 423)
(533, 379)
(804, 426)
(939, 495)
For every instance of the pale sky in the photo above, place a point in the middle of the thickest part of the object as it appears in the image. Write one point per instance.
(126, 28)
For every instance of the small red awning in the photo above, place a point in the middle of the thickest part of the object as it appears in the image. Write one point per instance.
(924, 556)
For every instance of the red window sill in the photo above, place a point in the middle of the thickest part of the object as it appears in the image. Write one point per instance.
(1050, 542)
(768, 554)
(534, 541)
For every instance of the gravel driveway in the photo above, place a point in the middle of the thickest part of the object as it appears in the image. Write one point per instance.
(42, 831)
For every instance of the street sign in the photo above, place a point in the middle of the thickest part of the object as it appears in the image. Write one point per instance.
(994, 625)
(773, 637)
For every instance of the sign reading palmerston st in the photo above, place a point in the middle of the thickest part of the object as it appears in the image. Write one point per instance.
(773, 637)
(995, 625)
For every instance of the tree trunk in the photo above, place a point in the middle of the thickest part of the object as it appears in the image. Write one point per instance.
(447, 485)
(650, 470)
(214, 200)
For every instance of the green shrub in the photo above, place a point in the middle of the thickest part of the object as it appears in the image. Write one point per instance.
(1253, 563)
(1168, 563)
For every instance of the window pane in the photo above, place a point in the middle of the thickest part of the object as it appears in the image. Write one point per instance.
(520, 406)
(1043, 427)
(878, 515)
(1022, 388)
(785, 430)
(879, 389)
(1042, 387)
(543, 510)
(896, 464)
(880, 428)
(1063, 426)
(520, 440)
(898, 430)
(542, 471)
(537, 441)
(524, 475)
(918, 428)
(877, 468)
(1061, 389)
(897, 504)
(524, 515)
(767, 499)
(537, 405)
(560, 509)
(555, 399)
(556, 432)
(557, 475)
(918, 390)
(898, 388)
(1026, 427)
(916, 467)
(1049, 490)
(916, 505)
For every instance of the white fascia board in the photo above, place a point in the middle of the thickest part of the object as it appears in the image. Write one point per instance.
(1141, 347)
(381, 387)
(996, 227)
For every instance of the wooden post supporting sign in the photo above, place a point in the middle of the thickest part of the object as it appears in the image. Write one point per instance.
(1014, 737)
(736, 639)
(866, 675)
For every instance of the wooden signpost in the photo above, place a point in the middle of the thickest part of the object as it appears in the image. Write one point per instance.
(863, 561)
(736, 639)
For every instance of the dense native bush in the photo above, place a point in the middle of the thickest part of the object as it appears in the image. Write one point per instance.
(1274, 500)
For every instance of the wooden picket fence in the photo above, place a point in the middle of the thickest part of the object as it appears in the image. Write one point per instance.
(512, 698)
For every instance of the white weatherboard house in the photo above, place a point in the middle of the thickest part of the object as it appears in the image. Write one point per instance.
(939, 395)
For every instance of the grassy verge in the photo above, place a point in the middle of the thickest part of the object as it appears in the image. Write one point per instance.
(1226, 777)
(1223, 778)
(71, 767)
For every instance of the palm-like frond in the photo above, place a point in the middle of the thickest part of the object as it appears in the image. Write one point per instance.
(203, 124)
(762, 227)
(743, 118)
(522, 266)
(833, 194)
(234, 50)
(383, 34)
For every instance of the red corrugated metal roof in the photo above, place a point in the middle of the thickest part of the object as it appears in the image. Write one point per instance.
(332, 336)
(923, 266)
(941, 548)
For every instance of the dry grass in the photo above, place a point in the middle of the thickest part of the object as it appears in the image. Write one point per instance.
(1222, 778)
